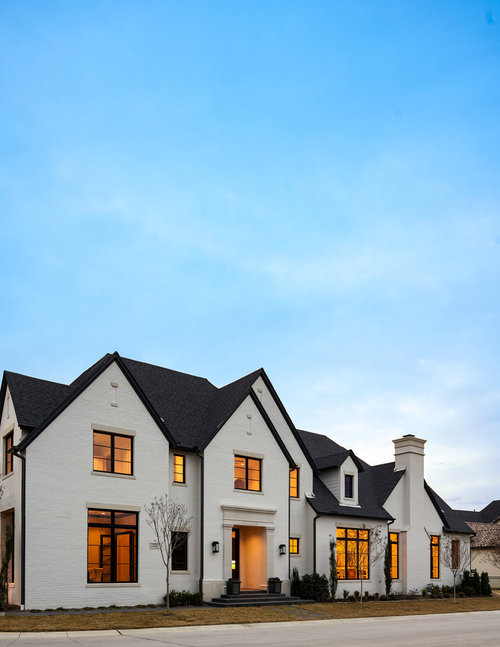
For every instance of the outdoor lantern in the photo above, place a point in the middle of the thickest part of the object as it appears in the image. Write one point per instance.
(215, 547)
(282, 549)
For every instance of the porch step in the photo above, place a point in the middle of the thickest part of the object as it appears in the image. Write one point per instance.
(255, 599)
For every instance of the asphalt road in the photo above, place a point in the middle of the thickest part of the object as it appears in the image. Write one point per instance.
(480, 629)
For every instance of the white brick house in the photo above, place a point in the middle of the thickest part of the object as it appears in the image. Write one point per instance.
(80, 461)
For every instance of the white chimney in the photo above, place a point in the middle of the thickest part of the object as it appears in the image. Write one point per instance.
(409, 456)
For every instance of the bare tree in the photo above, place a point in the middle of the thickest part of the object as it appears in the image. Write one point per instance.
(376, 550)
(455, 555)
(494, 556)
(170, 522)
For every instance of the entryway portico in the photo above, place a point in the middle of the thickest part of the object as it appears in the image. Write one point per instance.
(248, 545)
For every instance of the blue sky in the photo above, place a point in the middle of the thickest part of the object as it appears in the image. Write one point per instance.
(312, 187)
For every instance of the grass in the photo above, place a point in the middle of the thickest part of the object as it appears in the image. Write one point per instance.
(181, 617)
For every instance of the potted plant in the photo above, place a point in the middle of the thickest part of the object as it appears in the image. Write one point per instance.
(274, 585)
(233, 586)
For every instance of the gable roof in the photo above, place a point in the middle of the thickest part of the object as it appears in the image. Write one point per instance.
(188, 409)
(384, 480)
(33, 399)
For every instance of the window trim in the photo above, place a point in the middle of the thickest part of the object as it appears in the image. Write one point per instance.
(112, 527)
(435, 556)
(112, 436)
(8, 458)
(174, 481)
(394, 543)
(358, 541)
(295, 469)
(246, 459)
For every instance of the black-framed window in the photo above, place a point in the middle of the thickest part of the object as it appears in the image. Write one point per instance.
(348, 486)
(113, 453)
(394, 554)
(294, 483)
(434, 557)
(294, 548)
(179, 468)
(180, 551)
(353, 553)
(8, 458)
(247, 473)
(112, 546)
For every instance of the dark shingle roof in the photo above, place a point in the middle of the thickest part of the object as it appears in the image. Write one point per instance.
(319, 445)
(452, 521)
(488, 514)
(384, 480)
(325, 502)
(34, 399)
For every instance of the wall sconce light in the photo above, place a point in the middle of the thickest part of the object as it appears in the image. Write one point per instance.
(215, 547)
(282, 549)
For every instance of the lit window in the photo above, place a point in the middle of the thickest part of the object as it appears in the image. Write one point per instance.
(348, 486)
(112, 546)
(434, 557)
(179, 468)
(294, 483)
(179, 551)
(394, 554)
(294, 546)
(8, 458)
(112, 453)
(352, 554)
(455, 553)
(247, 473)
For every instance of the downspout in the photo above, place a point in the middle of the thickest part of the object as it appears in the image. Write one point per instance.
(14, 451)
(288, 551)
(314, 540)
(202, 515)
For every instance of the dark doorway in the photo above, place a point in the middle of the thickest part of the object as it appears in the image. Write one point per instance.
(235, 563)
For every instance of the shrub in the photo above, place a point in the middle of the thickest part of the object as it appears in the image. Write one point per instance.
(315, 587)
(184, 599)
(468, 590)
(295, 590)
(476, 583)
(485, 584)
(345, 593)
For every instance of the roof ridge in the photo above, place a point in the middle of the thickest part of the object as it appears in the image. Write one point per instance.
(30, 377)
(170, 370)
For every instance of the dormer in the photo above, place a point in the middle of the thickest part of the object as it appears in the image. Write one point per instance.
(339, 472)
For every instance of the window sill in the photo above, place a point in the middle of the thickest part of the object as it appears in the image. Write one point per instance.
(179, 484)
(114, 474)
(6, 476)
(295, 498)
(247, 491)
(111, 585)
(292, 555)
(180, 572)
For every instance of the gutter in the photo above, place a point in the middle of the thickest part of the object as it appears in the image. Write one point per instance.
(314, 540)
(202, 520)
(15, 452)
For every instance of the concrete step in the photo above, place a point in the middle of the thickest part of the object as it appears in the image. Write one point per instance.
(256, 600)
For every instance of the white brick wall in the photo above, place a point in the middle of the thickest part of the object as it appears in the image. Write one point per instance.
(60, 485)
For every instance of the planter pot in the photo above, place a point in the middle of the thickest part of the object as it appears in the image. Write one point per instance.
(233, 588)
(274, 587)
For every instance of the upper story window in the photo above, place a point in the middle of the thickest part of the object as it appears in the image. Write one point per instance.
(112, 546)
(294, 546)
(247, 473)
(394, 554)
(8, 458)
(353, 554)
(112, 453)
(349, 486)
(294, 483)
(434, 557)
(179, 468)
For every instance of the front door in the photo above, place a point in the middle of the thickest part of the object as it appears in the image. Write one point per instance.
(235, 560)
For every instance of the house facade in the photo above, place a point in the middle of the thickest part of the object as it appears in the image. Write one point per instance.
(80, 462)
